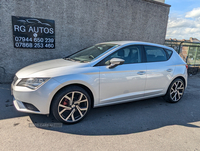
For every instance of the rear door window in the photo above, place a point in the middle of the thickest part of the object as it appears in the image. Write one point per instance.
(155, 54)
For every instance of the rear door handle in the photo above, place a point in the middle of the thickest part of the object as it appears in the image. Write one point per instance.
(169, 70)
(141, 72)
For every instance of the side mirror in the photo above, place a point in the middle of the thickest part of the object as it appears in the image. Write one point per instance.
(115, 62)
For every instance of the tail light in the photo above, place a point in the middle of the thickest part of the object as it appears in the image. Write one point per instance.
(186, 66)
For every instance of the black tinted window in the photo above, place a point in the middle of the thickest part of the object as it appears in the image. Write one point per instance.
(169, 53)
(131, 54)
(155, 54)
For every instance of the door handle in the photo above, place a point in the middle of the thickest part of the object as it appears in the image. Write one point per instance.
(141, 72)
(169, 70)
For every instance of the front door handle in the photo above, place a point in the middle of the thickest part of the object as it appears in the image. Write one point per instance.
(169, 70)
(141, 72)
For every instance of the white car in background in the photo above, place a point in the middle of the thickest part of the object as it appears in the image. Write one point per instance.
(104, 74)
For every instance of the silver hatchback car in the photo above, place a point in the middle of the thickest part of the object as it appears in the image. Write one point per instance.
(104, 74)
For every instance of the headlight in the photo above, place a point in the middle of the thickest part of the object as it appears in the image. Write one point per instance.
(32, 83)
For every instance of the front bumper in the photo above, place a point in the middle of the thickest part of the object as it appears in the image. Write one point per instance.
(40, 98)
(22, 108)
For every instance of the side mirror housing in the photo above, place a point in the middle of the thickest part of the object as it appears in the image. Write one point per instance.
(115, 62)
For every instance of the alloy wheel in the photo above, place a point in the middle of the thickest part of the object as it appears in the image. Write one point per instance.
(176, 91)
(73, 106)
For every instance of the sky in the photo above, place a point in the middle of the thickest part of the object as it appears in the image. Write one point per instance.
(184, 19)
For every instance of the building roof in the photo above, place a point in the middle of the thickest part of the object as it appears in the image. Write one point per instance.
(195, 40)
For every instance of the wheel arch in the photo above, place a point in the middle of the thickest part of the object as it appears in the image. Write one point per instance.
(74, 84)
(178, 77)
(182, 78)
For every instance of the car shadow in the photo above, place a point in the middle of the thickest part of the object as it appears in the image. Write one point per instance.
(132, 117)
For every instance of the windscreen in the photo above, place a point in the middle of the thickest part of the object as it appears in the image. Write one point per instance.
(91, 53)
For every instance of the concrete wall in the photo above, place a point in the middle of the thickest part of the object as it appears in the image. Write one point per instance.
(78, 24)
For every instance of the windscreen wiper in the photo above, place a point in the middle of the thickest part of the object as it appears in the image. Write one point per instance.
(69, 59)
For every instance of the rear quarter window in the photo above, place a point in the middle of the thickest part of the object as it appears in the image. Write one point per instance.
(169, 53)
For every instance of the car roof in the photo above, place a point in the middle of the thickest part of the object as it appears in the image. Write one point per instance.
(135, 42)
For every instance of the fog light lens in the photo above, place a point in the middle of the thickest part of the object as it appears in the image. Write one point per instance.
(30, 106)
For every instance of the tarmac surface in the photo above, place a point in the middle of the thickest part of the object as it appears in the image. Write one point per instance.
(147, 125)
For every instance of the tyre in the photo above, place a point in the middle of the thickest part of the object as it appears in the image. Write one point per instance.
(175, 91)
(71, 105)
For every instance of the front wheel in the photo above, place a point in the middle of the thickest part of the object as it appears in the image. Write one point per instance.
(175, 91)
(71, 105)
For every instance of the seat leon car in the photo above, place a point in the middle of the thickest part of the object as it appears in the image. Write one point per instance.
(104, 74)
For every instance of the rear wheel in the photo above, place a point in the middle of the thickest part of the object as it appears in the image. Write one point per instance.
(71, 105)
(175, 91)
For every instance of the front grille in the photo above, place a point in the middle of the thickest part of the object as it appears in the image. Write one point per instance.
(15, 80)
